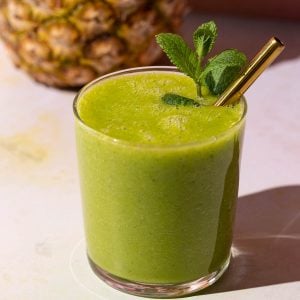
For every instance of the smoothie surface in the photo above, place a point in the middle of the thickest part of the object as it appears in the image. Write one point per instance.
(130, 108)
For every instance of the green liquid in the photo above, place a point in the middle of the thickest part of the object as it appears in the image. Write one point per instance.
(159, 182)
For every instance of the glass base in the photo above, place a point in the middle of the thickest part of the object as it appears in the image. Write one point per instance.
(158, 290)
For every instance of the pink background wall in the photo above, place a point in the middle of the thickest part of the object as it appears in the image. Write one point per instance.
(268, 8)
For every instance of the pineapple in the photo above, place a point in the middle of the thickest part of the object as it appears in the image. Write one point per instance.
(66, 43)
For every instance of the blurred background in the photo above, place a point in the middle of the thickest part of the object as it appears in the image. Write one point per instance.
(68, 43)
(247, 25)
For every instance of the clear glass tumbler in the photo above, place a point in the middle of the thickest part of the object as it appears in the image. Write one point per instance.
(158, 219)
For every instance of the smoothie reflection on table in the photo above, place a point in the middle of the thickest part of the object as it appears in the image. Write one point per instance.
(159, 182)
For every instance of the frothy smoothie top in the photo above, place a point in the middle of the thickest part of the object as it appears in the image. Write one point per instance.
(130, 108)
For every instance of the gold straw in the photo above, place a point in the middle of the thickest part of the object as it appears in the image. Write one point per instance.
(259, 63)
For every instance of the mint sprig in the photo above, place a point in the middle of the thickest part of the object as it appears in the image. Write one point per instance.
(219, 71)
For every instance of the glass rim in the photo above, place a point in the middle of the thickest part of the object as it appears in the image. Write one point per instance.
(129, 144)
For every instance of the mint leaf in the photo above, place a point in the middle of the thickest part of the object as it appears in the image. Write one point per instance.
(222, 69)
(219, 79)
(173, 99)
(179, 53)
(204, 38)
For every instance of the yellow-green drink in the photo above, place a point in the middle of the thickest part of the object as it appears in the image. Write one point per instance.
(159, 182)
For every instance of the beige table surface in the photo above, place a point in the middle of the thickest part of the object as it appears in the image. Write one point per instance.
(42, 252)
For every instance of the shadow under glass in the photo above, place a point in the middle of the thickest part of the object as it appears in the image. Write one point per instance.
(266, 241)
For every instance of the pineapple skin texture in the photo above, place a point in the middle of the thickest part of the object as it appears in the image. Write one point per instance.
(67, 43)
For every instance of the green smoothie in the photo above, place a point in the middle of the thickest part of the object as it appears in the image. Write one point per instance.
(159, 182)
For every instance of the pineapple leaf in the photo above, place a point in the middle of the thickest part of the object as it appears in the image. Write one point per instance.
(179, 53)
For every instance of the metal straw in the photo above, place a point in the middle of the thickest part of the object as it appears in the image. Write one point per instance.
(259, 63)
